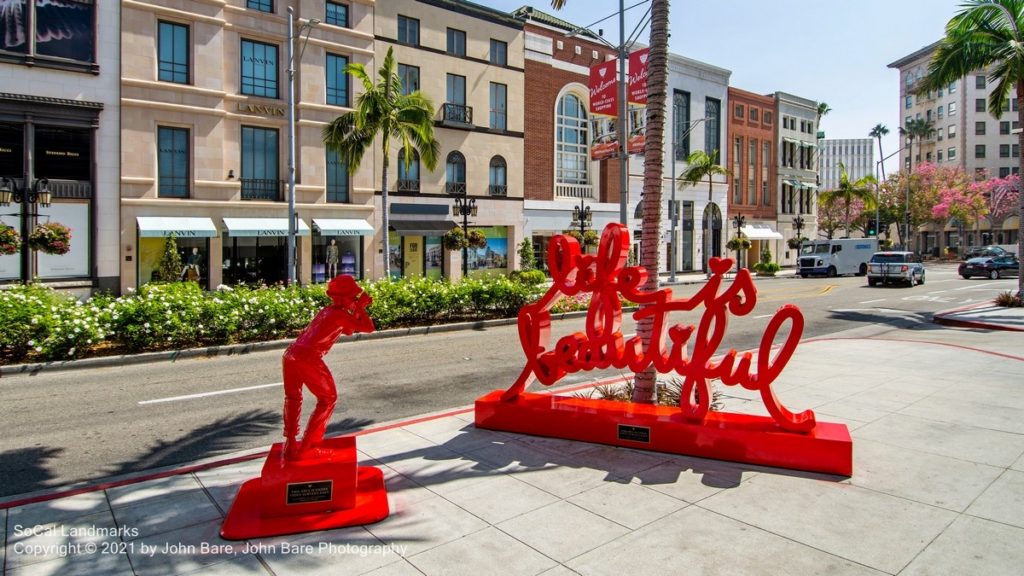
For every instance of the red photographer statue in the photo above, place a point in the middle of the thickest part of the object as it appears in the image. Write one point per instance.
(303, 364)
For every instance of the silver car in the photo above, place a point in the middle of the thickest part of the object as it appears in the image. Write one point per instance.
(901, 267)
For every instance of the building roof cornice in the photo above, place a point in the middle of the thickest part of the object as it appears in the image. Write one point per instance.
(915, 55)
(677, 63)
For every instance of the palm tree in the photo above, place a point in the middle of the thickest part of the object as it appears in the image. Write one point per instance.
(987, 35)
(823, 110)
(657, 88)
(701, 165)
(382, 109)
(919, 128)
(848, 191)
(877, 132)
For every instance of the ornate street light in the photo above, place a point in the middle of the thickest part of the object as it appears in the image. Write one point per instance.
(739, 221)
(306, 27)
(465, 207)
(798, 223)
(39, 193)
(582, 217)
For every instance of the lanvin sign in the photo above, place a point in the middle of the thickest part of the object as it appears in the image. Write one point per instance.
(260, 109)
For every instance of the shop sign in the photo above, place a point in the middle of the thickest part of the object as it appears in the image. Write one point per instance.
(261, 109)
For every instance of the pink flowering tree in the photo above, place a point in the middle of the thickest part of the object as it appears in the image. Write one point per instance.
(1003, 198)
(967, 203)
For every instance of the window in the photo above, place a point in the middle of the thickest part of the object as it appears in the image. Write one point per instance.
(261, 5)
(979, 104)
(979, 128)
(62, 29)
(572, 157)
(951, 154)
(939, 155)
(979, 82)
(1004, 172)
(952, 87)
(941, 112)
(456, 89)
(337, 80)
(173, 48)
(456, 42)
(337, 14)
(1004, 150)
(408, 30)
(455, 173)
(172, 162)
(408, 177)
(939, 132)
(940, 93)
(767, 117)
(951, 109)
(738, 111)
(337, 179)
(979, 150)
(681, 115)
(499, 106)
(410, 77)
(753, 114)
(259, 69)
(908, 102)
(497, 177)
(737, 180)
(712, 138)
(1006, 105)
(1015, 150)
(928, 115)
(766, 160)
(260, 157)
(752, 172)
(499, 52)
(951, 131)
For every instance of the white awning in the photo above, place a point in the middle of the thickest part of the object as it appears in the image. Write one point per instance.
(809, 186)
(790, 140)
(808, 144)
(760, 232)
(182, 227)
(342, 227)
(262, 227)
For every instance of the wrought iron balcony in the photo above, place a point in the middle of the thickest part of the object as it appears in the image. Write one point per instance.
(497, 190)
(455, 188)
(262, 189)
(457, 114)
(407, 185)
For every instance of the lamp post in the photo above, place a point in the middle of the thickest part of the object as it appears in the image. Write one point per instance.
(798, 223)
(739, 221)
(38, 194)
(292, 216)
(465, 207)
(582, 217)
(878, 184)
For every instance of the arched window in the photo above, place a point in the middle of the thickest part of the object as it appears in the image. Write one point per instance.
(498, 183)
(455, 170)
(572, 140)
(408, 178)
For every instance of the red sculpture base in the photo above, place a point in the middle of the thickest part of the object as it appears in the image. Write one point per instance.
(308, 495)
(722, 436)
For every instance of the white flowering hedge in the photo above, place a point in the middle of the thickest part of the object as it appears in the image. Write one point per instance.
(37, 323)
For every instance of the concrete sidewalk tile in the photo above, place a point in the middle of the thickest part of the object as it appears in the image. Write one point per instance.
(224, 483)
(558, 474)
(402, 490)
(59, 510)
(425, 525)
(247, 565)
(693, 479)
(441, 470)
(631, 505)
(500, 498)
(937, 480)
(945, 439)
(851, 424)
(390, 445)
(696, 541)
(487, 551)
(1018, 464)
(183, 550)
(871, 528)
(343, 551)
(150, 517)
(1003, 501)
(467, 438)
(562, 530)
(400, 568)
(554, 445)
(624, 463)
(153, 489)
(79, 564)
(559, 570)
(966, 412)
(972, 546)
(852, 409)
(51, 541)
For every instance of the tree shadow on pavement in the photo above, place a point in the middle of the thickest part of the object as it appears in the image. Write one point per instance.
(26, 469)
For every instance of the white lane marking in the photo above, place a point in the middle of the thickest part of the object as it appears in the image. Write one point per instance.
(938, 291)
(205, 394)
(976, 286)
(870, 301)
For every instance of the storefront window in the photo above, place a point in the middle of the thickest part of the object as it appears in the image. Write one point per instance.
(337, 255)
(493, 258)
(254, 259)
(12, 151)
(194, 254)
(63, 28)
(74, 264)
(63, 153)
(413, 256)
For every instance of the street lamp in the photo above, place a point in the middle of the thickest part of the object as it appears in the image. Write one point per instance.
(879, 169)
(465, 207)
(798, 223)
(306, 27)
(739, 221)
(582, 217)
(36, 194)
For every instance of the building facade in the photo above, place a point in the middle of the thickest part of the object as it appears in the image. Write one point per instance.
(797, 177)
(752, 172)
(205, 140)
(59, 79)
(857, 155)
(468, 59)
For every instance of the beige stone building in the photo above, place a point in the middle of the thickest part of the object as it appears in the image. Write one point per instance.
(468, 59)
(204, 140)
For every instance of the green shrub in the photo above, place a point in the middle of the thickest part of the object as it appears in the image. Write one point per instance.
(529, 277)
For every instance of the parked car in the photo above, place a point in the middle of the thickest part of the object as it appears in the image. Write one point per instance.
(980, 251)
(885, 267)
(993, 267)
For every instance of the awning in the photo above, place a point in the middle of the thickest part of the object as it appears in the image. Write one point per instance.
(761, 232)
(793, 183)
(342, 227)
(808, 144)
(160, 226)
(262, 227)
(790, 140)
(809, 186)
(421, 227)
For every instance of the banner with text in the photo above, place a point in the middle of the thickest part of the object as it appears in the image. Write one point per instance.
(604, 98)
(638, 76)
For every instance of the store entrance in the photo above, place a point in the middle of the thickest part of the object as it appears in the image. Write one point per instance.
(254, 260)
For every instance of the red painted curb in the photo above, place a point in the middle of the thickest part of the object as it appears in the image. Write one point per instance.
(973, 324)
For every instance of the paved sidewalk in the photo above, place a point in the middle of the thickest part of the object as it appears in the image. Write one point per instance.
(986, 316)
(938, 430)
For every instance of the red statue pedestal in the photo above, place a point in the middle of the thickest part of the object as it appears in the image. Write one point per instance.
(293, 496)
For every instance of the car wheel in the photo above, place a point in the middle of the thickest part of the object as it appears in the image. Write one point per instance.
(994, 275)
(803, 275)
(966, 276)
(831, 271)
(921, 279)
(863, 270)
(872, 281)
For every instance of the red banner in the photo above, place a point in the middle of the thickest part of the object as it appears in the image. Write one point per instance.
(637, 76)
(603, 89)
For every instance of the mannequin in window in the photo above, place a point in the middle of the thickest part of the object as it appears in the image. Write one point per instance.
(191, 270)
(332, 259)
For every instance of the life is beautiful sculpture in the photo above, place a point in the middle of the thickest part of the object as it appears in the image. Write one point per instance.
(784, 439)
(312, 483)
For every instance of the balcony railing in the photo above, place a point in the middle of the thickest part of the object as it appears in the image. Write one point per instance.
(455, 188)
(457, 114)
(407, 185)
(497, 190)
(262, 189)
(574, 191)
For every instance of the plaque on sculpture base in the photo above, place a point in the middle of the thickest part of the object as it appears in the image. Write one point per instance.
(294, 496)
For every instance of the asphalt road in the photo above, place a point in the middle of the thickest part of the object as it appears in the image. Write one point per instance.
(84, 425)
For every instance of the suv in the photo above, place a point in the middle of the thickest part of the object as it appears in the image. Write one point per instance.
(895, 267)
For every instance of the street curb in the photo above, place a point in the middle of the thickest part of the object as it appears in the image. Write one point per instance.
(942, 318)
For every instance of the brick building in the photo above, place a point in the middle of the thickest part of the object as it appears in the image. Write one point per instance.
(752, 170)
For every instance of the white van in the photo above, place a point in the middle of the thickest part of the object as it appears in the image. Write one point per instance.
(836, 257)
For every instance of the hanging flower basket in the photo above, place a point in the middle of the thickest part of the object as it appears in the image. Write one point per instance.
(50, 238)
(738, 243)
(10, 240)
(590, 238)
(574, 234)
(794, 243)
(455, 239)
(476, 239)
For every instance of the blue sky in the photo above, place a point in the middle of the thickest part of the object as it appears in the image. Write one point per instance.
(833, 51)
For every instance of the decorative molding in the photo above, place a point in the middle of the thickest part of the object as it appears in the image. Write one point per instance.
(180, 14)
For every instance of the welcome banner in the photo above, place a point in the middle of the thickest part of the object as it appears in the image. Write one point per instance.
(604, 97)
(638, 76)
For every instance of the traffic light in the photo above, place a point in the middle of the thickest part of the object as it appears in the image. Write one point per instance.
(872, 228)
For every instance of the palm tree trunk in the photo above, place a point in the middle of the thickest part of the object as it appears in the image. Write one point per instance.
(1020, 195)
(384, 214)
(657, 83)
(880, 156)
(848, 200)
